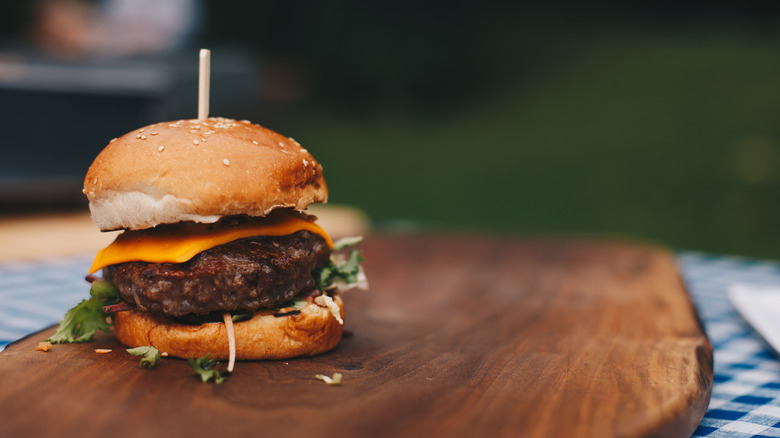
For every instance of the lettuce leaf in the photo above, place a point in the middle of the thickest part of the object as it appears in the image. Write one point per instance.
(204, 367)
(84, 320)
(340, 272)
(150, 356)
(346, 242)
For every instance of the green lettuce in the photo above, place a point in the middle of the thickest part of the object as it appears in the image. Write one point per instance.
(84, 320)
(343, 272)
(204, 367)
(150, 356)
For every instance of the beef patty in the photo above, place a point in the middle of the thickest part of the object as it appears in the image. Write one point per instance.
(249, 274)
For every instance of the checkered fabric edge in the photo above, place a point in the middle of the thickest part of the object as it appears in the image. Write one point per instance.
(746, 392)
(35, 295)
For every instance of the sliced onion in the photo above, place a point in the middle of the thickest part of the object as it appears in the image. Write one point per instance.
(231, 340)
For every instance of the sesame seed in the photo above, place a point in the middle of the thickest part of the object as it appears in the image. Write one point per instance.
(305, 163)
(138, 136)
(281, 144)
(195, 142)
(140, 130)
(226, 162)
(255, 142)
(161, 148)
(202, 139)
(153, 132)
(143, 137)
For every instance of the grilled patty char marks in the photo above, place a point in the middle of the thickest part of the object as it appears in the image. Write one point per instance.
(245, 275)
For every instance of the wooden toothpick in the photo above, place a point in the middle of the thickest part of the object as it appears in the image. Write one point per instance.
(203, 84)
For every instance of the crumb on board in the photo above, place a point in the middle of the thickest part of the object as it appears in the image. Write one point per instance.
(335, 380)
(43, 346)
(103, 350)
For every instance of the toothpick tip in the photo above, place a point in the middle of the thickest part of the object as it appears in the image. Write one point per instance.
(203, 84)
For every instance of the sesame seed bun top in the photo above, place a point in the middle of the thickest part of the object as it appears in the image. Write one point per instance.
(200, 171)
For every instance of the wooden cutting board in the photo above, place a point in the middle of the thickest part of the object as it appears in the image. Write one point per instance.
(458, 337)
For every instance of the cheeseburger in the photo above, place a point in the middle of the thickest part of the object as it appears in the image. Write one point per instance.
(217, 255)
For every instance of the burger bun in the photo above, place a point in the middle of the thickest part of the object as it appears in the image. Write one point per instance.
(312, 331)
(200, 171)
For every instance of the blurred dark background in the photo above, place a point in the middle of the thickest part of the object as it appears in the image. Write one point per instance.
(654, 120)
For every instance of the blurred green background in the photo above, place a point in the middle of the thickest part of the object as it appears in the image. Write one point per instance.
(656, 121)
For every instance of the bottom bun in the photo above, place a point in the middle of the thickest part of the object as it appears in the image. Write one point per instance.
(312, 331)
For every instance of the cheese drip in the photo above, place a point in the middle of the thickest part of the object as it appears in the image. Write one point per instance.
(181, 242)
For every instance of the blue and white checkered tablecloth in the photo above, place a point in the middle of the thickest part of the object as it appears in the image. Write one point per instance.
(745, 397)
(746, 394)
(35, 295)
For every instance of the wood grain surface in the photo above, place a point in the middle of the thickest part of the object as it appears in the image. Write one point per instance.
(457, 337)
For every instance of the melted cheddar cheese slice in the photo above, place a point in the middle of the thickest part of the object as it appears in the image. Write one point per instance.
(180, 242)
